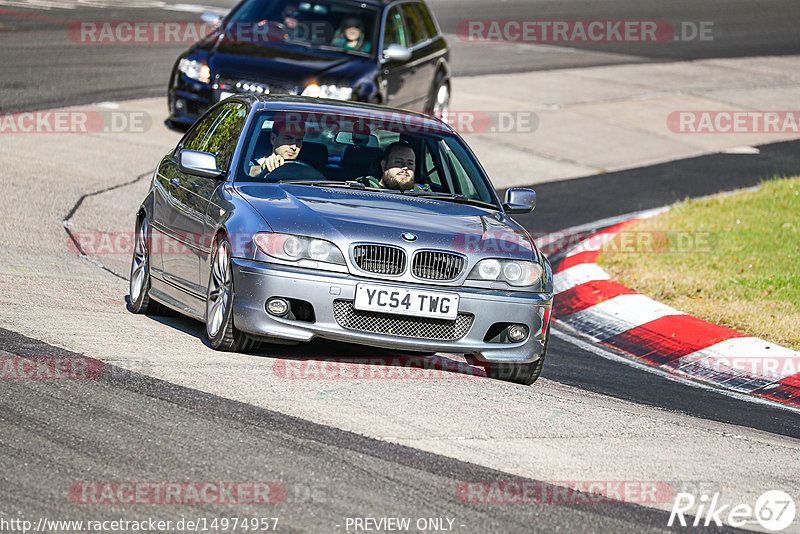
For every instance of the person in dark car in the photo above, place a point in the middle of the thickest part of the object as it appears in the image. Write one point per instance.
(397, 166)
(350, 35)
(287, 141)
(289, 17)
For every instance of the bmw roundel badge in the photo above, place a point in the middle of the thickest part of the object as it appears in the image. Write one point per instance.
(408, 236)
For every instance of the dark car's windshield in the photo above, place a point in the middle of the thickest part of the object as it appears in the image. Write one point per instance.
(384, 150)
(348, 27)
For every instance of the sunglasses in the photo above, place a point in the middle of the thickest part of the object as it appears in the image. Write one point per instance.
(293, 14)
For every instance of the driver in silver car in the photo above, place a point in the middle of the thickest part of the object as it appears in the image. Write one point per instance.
(287, 140)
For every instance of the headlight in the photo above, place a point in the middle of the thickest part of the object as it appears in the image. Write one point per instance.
(513, 272)
(338, 92)
(293, 248)
(196, 70)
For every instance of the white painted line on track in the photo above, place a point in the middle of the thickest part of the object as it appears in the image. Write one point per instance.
(617, 315)
(577, 275)
(758, 353)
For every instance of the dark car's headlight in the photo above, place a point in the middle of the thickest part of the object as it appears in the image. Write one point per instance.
(517, 273)
(290, 247)
(195, 69)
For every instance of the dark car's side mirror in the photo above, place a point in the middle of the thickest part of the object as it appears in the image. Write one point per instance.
(519, 200)
(211, 18)
(200, 164)
(395, 52)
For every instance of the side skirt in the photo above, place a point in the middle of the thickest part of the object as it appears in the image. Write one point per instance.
(178, 299)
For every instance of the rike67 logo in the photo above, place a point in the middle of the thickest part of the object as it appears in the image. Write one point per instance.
(774, 510)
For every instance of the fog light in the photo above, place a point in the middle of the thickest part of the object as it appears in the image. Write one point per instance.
(180, 105)
(517, 332)
(277, 306)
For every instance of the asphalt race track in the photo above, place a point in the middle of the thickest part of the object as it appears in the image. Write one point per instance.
(167, 408)
(50, 69)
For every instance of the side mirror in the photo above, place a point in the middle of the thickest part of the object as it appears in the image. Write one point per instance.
(200, 164)
(211, 18)
(519, 200)
(395, 52)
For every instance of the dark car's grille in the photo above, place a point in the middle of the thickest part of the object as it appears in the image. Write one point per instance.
(437, 265)
(380, 259)
(238, 85)
(400, 325)
(194, 108)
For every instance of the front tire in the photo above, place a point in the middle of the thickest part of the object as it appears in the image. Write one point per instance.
(519, 373)
(222, 333)
(439, 105)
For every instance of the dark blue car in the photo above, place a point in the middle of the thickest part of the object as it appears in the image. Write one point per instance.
(372, 51)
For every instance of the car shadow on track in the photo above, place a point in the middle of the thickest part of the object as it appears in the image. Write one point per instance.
(326, 359)
(338, 360)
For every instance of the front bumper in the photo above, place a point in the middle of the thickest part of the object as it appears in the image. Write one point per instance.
(255, 282)
(190, 100)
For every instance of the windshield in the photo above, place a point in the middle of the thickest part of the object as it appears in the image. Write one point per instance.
(320, 24)
(387, 151)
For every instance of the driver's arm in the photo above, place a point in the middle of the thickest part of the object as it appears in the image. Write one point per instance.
(271, 162)
(256, 167)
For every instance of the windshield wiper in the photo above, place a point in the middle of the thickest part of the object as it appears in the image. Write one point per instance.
(334, 48)
(310, 182)
(453, 197)
(336, 183)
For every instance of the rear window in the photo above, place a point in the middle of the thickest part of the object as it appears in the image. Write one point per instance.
(427, 20)
(416, 28)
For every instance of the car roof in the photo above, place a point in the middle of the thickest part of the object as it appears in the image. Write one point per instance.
(359, 109)
(372, 2)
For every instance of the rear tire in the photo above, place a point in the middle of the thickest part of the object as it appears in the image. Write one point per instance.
(519, 373)
(140, 301)
(222, 333)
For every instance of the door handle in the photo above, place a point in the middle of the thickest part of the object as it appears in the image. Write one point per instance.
(174, 181)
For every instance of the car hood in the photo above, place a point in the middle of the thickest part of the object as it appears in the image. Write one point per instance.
(345, 216)
(284, 62)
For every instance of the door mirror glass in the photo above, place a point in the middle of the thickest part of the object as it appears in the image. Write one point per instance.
(395, 52)
(213, 18)
(200, 164)
(519, 200)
